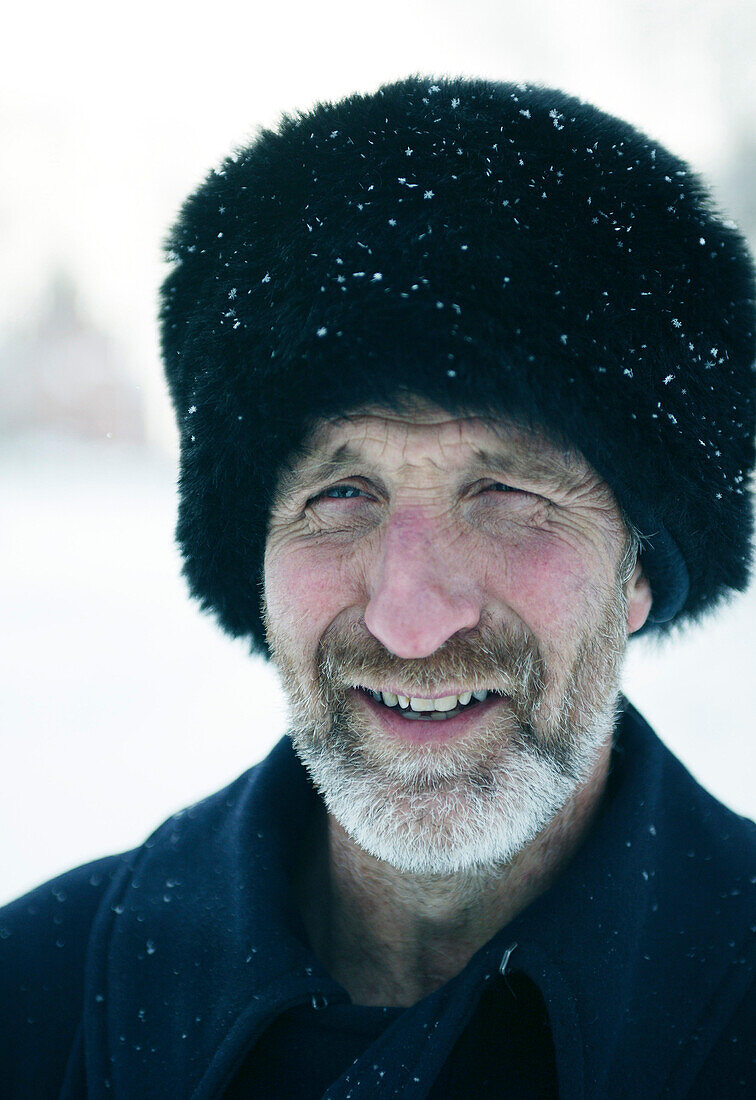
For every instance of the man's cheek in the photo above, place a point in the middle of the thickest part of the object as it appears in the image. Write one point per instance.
(305, 587)
(549, 584)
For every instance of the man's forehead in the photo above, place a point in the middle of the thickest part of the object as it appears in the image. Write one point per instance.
(461, 442)
(458, 436)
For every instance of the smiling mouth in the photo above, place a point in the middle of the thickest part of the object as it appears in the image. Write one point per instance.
(417, 709)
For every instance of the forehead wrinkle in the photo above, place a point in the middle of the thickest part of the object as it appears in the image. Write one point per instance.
(372, 437)
(534, 438)
(344, 459)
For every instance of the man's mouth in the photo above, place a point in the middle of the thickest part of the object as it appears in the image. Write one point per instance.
(438, 709)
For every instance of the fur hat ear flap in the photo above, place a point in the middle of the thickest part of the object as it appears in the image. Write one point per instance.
(486, 245)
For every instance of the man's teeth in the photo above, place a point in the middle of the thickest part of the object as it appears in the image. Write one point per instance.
(415, 703)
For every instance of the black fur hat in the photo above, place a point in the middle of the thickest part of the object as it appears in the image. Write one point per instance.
(487, 245)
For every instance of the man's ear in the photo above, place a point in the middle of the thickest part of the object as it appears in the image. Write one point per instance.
(639, 599)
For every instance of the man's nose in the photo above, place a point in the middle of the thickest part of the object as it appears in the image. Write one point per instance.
(421, 591)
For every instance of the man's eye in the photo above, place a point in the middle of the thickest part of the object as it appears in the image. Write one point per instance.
(500, 487)
(340, 492)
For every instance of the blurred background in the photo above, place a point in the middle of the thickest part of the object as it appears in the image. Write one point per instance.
(119, 701)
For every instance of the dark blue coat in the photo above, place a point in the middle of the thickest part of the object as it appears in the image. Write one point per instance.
(153, 974)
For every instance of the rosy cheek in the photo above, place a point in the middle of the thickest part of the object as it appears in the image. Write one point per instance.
(304, 586)
(547, 584)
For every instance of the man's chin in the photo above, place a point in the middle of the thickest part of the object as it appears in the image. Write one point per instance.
(434, 815)
(438, 836)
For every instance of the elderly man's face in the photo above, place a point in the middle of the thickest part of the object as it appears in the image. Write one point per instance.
(435, 559)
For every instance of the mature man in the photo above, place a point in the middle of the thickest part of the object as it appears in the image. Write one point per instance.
(464, 379)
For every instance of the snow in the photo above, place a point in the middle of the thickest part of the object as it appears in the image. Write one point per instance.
(123, 703)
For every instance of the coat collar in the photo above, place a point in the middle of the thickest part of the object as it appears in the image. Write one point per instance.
(199, 942)
(642, 928)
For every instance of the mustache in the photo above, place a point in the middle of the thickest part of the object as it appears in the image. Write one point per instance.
(507, 660)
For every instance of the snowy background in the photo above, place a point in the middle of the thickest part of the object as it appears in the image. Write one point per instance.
(120, 701)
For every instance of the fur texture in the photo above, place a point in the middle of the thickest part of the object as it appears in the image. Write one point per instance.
(491, 246)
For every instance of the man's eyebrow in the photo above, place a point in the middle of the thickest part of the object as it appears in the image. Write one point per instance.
(532, 466)
(310, 467)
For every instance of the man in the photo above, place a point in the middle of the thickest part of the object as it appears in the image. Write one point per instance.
(464, 378)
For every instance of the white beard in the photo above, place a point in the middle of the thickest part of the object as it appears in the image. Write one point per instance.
(475, 802)
(469, 820)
